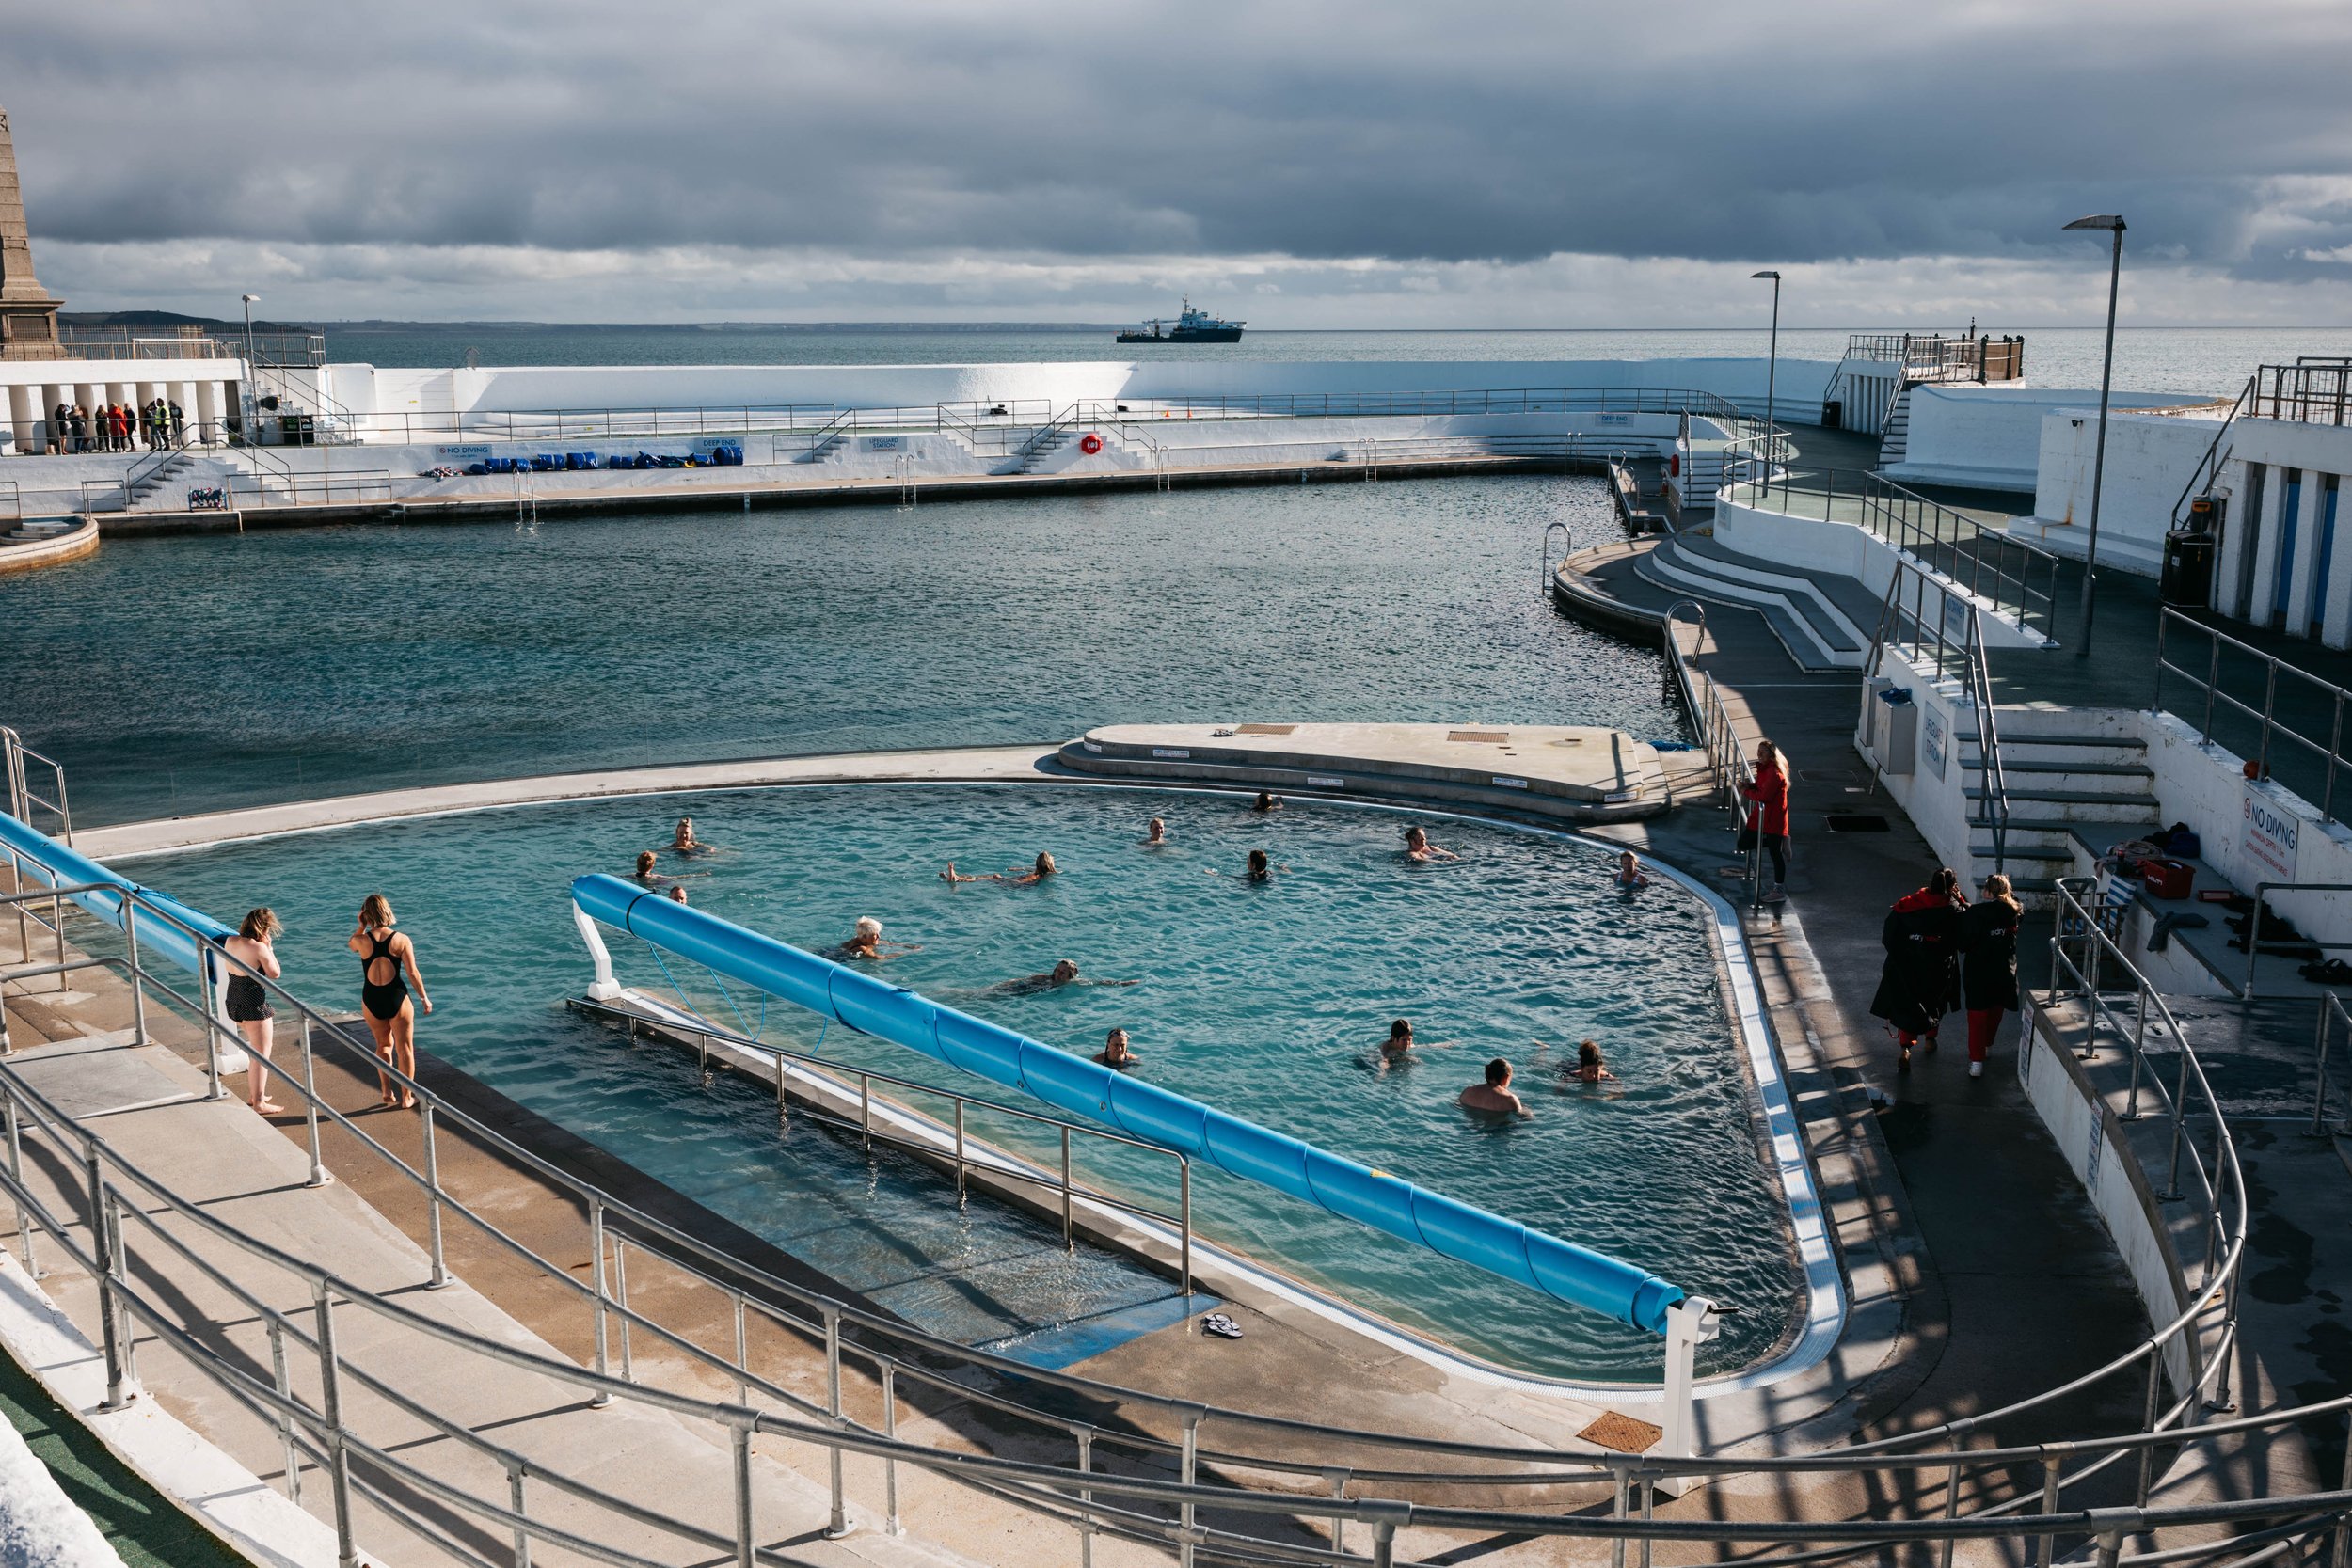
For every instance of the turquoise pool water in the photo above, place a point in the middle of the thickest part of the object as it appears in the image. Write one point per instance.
(1267, 1001)
(190, 674)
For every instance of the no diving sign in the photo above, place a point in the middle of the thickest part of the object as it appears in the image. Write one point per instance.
(2267, 836)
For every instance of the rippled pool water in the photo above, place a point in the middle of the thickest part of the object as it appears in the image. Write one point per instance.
(1266, 1001)
(194, 673)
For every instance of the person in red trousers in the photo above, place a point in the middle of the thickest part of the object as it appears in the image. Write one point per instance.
(1988, 965)
(1767, 813)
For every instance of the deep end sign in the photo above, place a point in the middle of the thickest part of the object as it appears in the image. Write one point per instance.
(2267, 836)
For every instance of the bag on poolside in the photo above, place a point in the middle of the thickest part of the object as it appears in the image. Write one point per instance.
(1746, 840)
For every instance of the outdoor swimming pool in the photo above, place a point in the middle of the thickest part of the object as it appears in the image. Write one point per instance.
(1266, 1001)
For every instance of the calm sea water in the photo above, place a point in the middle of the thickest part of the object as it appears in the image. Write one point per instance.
(185, 674)
(1267, 1001)
(2154, 360)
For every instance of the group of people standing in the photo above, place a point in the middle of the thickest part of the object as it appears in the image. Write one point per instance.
(1944, 955)
(390, 992)
(116, 427)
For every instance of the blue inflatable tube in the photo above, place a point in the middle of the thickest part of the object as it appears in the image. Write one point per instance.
(60, 866)
(875, 1007)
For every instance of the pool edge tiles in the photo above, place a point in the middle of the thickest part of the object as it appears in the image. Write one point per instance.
(1819, 1307)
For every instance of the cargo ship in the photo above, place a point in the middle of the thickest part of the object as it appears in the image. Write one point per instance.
(1193, 326)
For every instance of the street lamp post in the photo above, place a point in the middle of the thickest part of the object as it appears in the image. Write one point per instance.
(1771, 369)
(2114, 223)
(251, 407)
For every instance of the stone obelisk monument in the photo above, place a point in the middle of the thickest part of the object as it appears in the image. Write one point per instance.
(28, 317)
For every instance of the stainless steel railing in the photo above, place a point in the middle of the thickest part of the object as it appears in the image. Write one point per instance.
(2293, 708)
(1907, 628)
(1003, 423)
(966, 1156)
(1728, 767)
(2018, 580)
(1261, 1488)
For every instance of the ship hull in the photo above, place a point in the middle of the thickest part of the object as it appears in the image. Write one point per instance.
(1230, 335)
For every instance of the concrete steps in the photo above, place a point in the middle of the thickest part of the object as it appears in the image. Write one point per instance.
(2063, 792)
(1895, 440)
(1805, 614)
(1041, 449)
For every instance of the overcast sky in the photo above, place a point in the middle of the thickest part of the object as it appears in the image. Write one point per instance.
(1307, 164)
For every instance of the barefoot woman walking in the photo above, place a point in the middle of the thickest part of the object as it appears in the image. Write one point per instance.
(388, 968)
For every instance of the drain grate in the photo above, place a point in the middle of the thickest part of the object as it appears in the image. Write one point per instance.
(1856, 822)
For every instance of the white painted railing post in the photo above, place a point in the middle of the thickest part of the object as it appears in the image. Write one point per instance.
(1690, 1323)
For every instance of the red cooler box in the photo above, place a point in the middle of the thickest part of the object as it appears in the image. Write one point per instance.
(2167, 879)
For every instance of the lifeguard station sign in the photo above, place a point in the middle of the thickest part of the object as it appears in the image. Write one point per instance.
(2267, 839)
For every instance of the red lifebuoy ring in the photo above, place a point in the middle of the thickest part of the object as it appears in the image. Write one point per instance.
(1090, 443)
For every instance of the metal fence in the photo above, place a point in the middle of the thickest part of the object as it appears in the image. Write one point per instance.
(2016, 579)
(1001, 425)
(1934, 357)
(2284, 722)
(1198, 1482)
(2316, 389)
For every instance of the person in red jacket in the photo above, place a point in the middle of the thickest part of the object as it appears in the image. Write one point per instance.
(1768, 814)
(1920, 982)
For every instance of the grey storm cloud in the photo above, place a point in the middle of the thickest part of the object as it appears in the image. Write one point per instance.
(1830, 132)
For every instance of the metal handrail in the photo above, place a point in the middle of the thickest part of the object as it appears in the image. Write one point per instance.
(963, 1152)
(1017, 415)
(1965, 658)
(1042, 1487)
(1999, 568)
(2254, 925)
(2209, 466)
(2316, 389)
(1728, 767)
(2330, 1009)
(2272, 728)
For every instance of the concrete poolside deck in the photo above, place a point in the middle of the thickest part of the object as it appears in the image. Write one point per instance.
(1577, 774)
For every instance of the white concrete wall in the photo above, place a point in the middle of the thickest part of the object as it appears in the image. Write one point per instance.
(2085, 1133)
(2207, 788)
(2150, 459)
(1991, 437)
(391, 393)
(30, 388)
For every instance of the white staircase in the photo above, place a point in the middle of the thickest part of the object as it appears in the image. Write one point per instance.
(1895, 438)
(2062, 790)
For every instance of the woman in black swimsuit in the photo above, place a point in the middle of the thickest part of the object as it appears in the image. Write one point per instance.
(247, 1005)
(388, 968)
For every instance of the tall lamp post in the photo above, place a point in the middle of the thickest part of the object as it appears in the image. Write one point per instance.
(1771, 369)
(252, 437)
(2114, 223)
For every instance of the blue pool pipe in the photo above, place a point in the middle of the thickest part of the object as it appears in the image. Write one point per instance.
(56, 865)
(872, 1007)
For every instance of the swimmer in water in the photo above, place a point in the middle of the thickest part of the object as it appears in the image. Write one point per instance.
(684, 842)
(1266, 801)
(1037, 873)
(1589, 1067)
(1261, 870)
(1630, 873)
(867, 943)
(1154, 833)
(1115, 1051)
(1064, 972)
(646, 875)
(1418, 847)
(1493, 1097)
(677, 893)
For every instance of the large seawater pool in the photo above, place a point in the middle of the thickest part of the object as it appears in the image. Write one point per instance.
(1268, 1001)
(185, 674)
